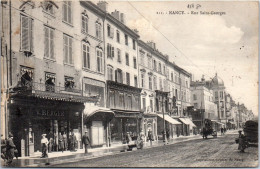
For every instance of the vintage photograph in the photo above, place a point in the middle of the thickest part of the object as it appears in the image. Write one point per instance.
(129, 83)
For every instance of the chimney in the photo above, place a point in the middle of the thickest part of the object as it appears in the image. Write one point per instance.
(102, 5)
(115, 14)
(151, 44)
(122, 18)
(202, 79)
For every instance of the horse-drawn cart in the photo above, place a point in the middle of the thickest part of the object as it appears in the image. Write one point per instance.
(207, 129)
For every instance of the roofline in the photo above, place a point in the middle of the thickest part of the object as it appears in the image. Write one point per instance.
(122, 26)
(145, 45)
(93, 7)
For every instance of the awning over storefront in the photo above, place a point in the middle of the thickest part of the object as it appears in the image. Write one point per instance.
(217, 122)
(98, 113)
(169, 119)
(188, 121)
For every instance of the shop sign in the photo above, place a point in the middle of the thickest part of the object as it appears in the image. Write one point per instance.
(49, 113)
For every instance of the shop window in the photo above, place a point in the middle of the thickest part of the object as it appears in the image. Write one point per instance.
(26, 77)
(50, 82)
(69, 83)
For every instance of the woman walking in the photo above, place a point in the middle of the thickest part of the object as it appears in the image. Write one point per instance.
(61, 143)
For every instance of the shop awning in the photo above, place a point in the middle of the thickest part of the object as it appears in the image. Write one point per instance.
(217, 122)
(169, 119)
(98, 113)
(188, 121)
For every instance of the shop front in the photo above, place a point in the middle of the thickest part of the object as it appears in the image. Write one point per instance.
(96, 121)
(33, 113)
(171, 126)
(149, 123)
(123, 123)
(124, 100)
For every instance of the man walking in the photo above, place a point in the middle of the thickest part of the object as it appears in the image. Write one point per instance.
(150, 137)
(85, 141)
(10, 149)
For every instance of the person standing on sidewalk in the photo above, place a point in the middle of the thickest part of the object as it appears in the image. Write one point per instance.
(61, 143)
(150, 137)
(86, 141)
(44, 143)
(3, 147)
(65, 141)
(10, 149)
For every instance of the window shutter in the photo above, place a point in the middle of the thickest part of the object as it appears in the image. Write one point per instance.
(83, 24)
(65, 48)
(112, 33)
(108, 53)
(96, 30)
(113, 53)
(46, 42)
(65, 13)
(69, 12)
(25, 33)
(70, 51)
(88, 56)
(116, 75)
(31, 35)
(52, 43)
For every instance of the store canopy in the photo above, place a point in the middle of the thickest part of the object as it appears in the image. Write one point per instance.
(169, 119)
(188, 121)
(98, 113)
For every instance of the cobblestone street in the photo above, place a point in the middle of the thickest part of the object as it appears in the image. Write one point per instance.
(218, 152)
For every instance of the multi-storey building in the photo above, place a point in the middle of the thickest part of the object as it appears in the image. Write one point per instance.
(219, 93)
(123, 94)
(55, 72)
(203, 104)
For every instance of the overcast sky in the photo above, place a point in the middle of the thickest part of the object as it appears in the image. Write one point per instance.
(226, 44)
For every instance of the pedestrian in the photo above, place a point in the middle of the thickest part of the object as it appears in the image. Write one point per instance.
(73, 141)
(51, 144)
(10, 147)
(141, 138)
(150, 137)
(225, 130)
(3, 147)
(222, 131)
(65, 141)
(86, 141)
(61, 143)
(44, 144)
(241, 142)
(167, 135)
(128, 137)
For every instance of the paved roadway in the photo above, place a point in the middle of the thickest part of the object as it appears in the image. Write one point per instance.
(218, 152)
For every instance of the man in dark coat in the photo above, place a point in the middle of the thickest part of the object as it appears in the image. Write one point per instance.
(150, 137)
(85, 141)
(10, 149)
(3, 147)
(73, 141)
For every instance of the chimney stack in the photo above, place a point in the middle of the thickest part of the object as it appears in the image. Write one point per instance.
(115, 14)
(122, 18)
(102, 5)
(202, 79)
(152, 44)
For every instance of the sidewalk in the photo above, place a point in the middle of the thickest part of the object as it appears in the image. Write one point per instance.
(67, 156)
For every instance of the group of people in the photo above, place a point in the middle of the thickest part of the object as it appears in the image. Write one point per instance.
(64, 144)
(8, 149)
(223, 130)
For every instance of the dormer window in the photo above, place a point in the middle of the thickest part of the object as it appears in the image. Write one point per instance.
(49, 7)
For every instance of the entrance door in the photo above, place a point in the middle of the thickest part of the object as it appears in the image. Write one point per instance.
(97, 133)
(40, 127)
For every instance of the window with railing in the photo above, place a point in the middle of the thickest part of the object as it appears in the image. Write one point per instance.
(26, 77)
(50, 79)
(69, 83)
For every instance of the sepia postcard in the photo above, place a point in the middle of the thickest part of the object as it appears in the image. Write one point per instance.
(129, 83)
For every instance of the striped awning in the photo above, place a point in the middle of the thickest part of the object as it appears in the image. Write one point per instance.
(169, 119)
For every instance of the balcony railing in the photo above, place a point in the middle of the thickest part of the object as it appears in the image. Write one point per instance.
(50, 88)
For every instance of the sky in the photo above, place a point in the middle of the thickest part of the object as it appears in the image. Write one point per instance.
(203, 44)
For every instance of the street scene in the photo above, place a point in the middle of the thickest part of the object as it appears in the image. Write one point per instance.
(129, 84)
